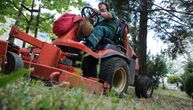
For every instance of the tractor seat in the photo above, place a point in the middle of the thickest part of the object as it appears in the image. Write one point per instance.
(107, 43)
(118, 42)
(101, 45)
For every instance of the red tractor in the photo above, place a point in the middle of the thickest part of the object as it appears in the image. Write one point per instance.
(110, 66)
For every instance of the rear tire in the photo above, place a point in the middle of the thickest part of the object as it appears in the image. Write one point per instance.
(114, 71)
(14, 63)
(148, 88)
(137, 88)
(144, 87)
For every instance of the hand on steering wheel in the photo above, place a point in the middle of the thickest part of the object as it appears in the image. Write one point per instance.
(90, 13)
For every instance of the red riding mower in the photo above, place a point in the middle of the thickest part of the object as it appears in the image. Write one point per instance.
(111, 66)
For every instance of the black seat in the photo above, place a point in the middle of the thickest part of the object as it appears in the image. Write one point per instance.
(107, 43)
(119, 38)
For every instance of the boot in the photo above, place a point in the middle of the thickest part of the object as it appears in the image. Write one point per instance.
(87, 43)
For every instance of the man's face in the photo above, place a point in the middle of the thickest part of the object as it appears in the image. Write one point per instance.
(102, 7)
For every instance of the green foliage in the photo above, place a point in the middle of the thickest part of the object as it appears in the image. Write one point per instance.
(175, 79)
(171, 20)
(12, 76)
(173, 24)
(156, 67)
(188, 68)
(2, 19)
(2, 31)
(189, 85)
(61, 5)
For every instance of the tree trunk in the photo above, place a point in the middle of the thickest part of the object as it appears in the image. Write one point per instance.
(142, 38)
(164, 87)
(177, 84)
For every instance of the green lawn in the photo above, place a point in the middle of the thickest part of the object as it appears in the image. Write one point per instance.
(25, 94)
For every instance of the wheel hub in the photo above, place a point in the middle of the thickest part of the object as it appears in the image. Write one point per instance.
(119, 80)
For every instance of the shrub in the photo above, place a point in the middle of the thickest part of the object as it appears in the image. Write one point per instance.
(189, 85)
(188, 69)
(157, 68)
(174, 79)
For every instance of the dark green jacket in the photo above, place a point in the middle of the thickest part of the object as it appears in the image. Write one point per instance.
(109, 23)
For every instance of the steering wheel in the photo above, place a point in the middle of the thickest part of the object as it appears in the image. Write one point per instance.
(88, 13)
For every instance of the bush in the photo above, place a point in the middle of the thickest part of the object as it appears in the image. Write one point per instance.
(189, 85)
(175, 79)
(157, 68)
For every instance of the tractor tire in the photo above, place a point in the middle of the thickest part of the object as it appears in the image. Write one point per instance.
(114, 70)
(14, 62)
(137, 88)
(144, 87)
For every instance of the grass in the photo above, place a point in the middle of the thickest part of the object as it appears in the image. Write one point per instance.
(6, 79)
(173, 93)
(165, 100)
(34, 95)
(27, 94)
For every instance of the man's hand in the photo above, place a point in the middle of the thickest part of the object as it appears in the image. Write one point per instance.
(95, 11)
(105, 15)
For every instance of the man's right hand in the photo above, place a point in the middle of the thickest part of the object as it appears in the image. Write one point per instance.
(95, 11)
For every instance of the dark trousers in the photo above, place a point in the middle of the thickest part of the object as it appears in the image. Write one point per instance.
(98, 33)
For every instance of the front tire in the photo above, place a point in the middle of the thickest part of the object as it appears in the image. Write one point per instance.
(13, 63)
(114, 71)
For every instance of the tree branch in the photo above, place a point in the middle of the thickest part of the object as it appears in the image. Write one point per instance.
(161, 8)
(174, 21)
(167, 33)
(169, 12)
(134, 10)
(15, 6)
(48, 17)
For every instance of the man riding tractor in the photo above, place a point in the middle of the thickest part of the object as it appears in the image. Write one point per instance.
(106, 27)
